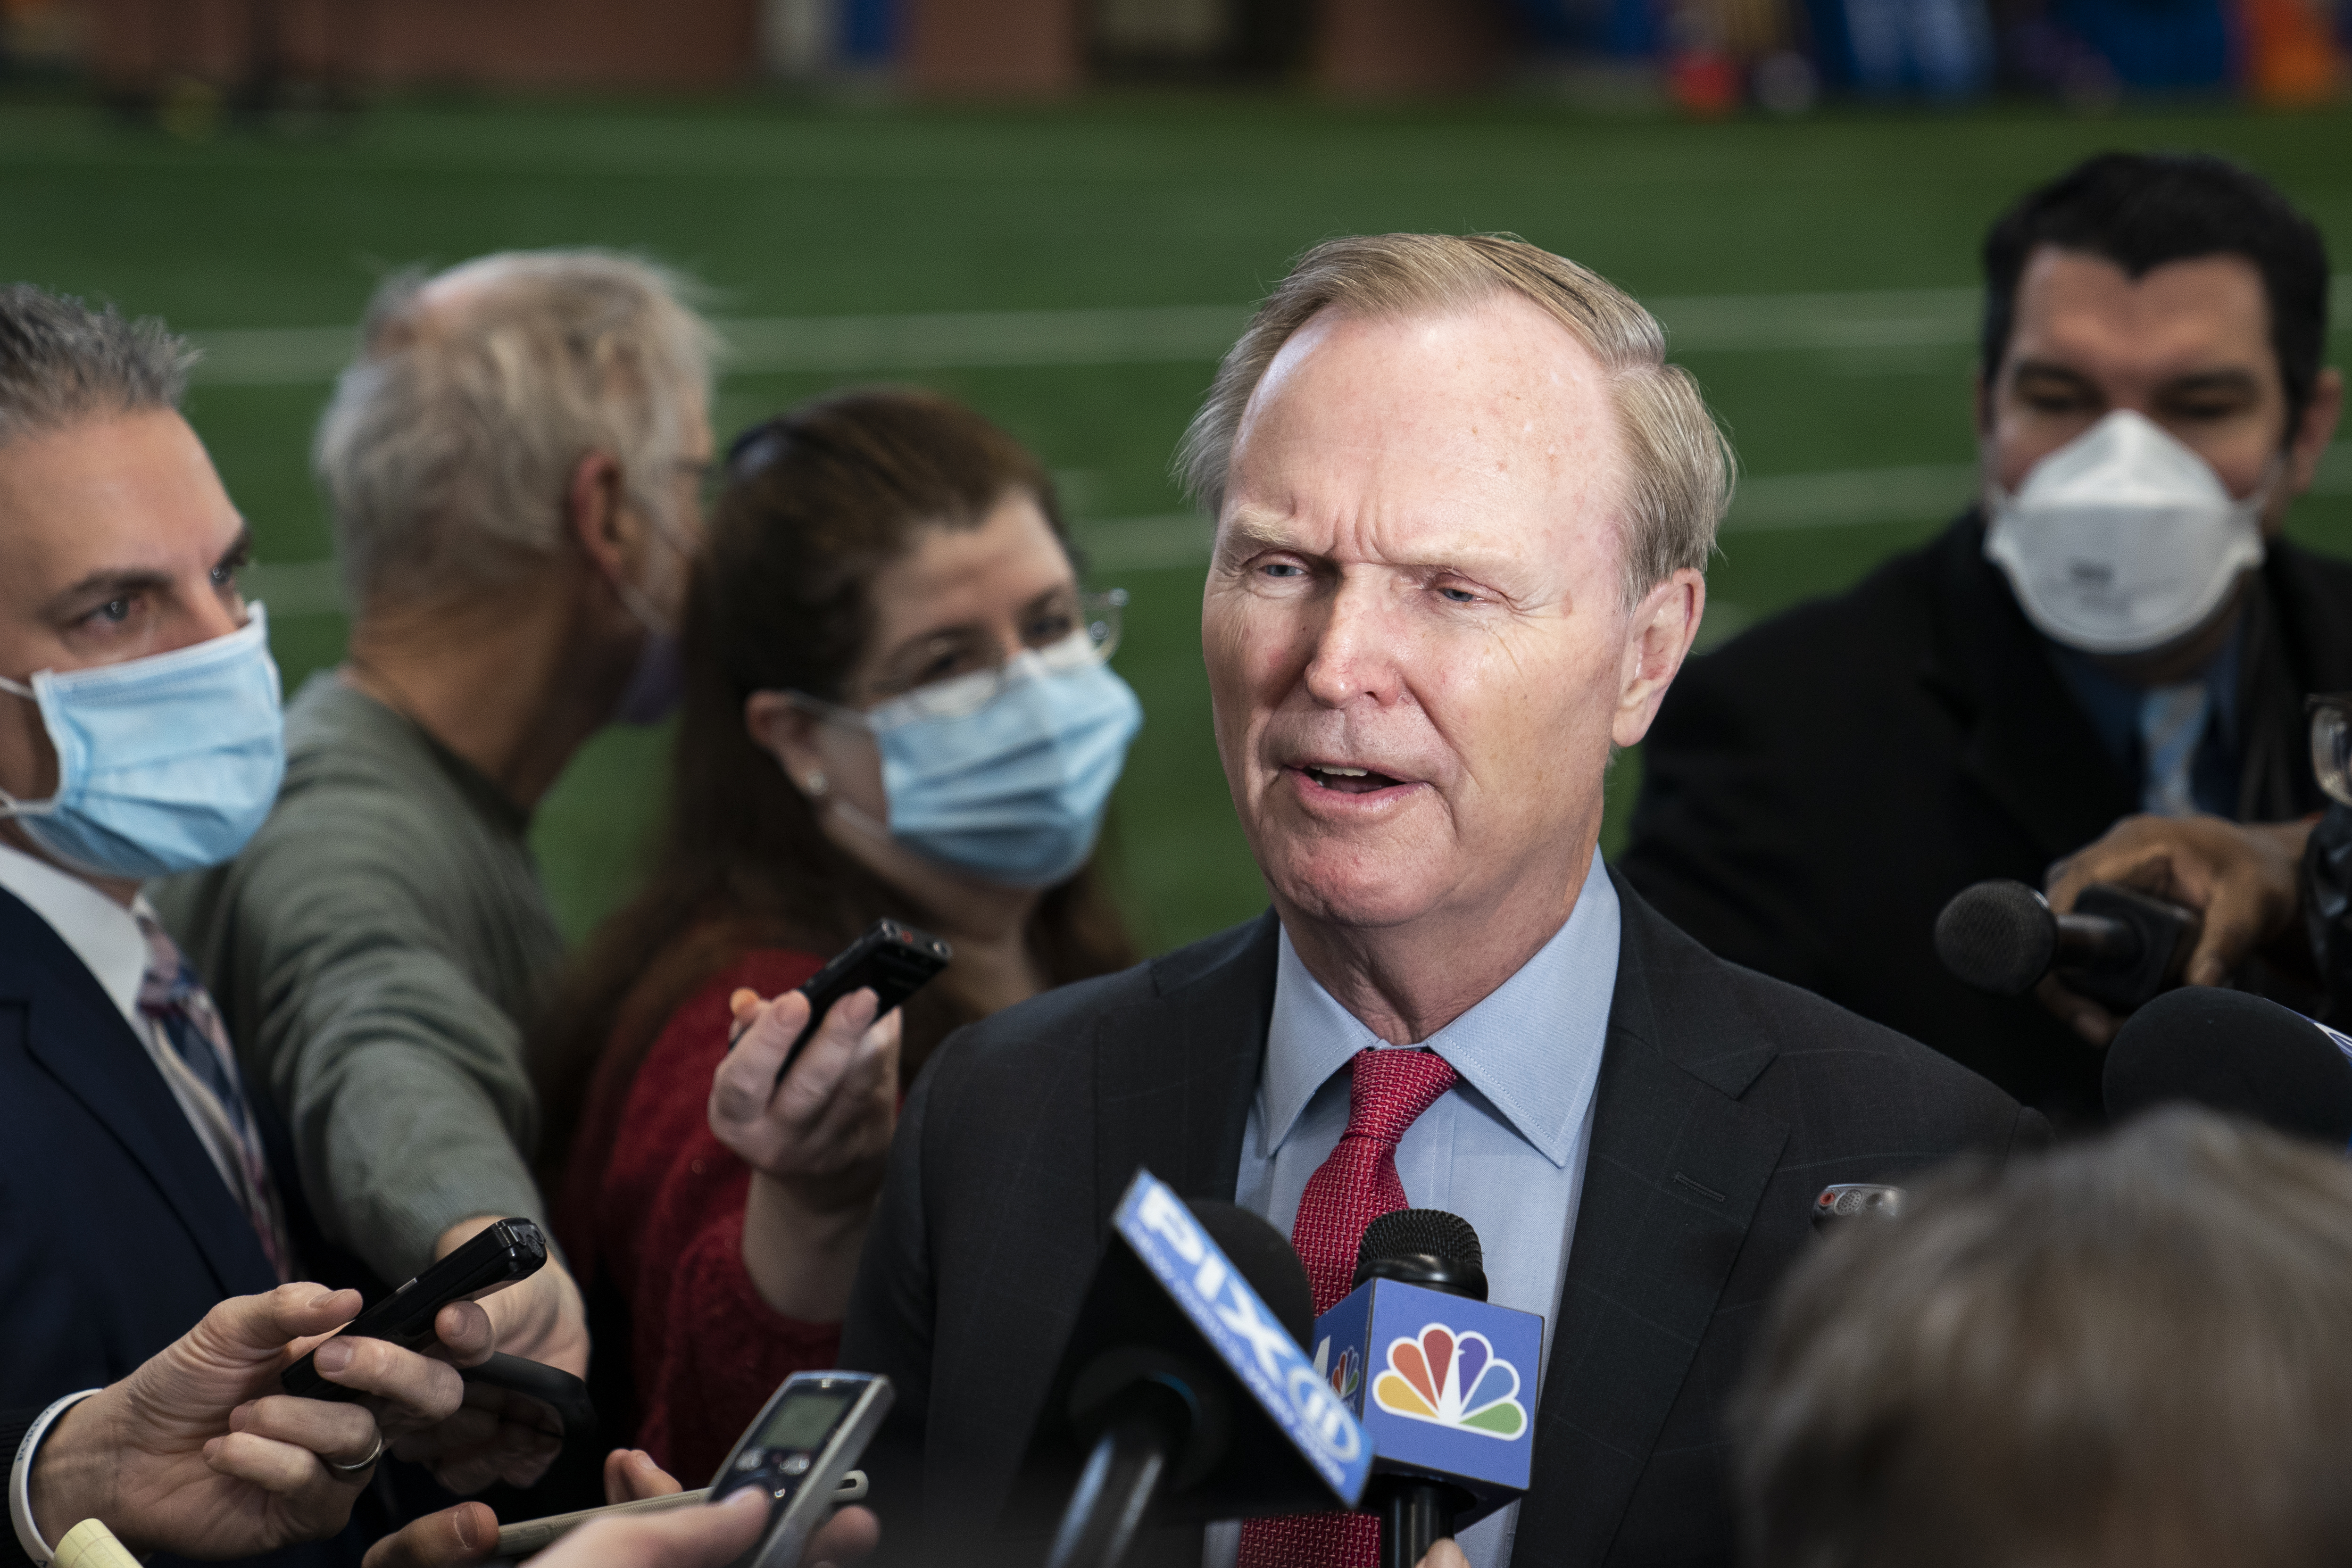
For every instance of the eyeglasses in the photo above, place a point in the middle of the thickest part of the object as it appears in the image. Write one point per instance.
(2331, 742)
(957, 673)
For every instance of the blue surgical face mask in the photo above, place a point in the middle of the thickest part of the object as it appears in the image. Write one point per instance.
(1013, 791)
(658, 681)
(165, 764)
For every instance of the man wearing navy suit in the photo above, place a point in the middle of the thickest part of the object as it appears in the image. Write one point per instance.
(1463, 510)
(146, 1301)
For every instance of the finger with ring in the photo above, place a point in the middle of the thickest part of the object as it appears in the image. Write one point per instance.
(358, 1465)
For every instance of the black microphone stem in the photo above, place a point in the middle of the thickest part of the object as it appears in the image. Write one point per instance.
(1122, 1473)
(1414, 1516)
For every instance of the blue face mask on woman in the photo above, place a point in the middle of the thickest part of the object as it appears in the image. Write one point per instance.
(165, 764)
(1013, 790)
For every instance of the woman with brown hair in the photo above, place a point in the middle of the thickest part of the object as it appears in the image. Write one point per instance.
(897, 706)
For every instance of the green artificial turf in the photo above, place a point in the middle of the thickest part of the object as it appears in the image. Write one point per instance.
(798, 209)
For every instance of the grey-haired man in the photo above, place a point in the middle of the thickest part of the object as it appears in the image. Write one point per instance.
(513, 464)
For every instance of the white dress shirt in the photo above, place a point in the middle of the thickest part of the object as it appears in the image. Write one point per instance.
(1504, 1148)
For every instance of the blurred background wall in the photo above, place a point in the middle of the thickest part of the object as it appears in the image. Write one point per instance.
(1706, 57)
(1060, 211)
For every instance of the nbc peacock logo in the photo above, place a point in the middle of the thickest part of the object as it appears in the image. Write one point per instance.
(1347, 1374)
(1452, 1380)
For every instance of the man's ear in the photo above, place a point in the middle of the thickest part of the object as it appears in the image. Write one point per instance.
(1658, 638)
(2308, 443)
(1980, 402)
(595, 516)
(787, 732)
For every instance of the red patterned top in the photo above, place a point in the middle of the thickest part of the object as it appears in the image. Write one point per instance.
(663, 1220)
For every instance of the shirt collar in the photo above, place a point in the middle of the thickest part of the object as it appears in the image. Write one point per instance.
(1509, 1047)
(102, 934)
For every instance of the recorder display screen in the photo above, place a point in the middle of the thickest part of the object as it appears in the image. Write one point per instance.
(802, 1420)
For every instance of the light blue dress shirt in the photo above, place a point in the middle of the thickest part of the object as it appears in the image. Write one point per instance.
(1504, 1148)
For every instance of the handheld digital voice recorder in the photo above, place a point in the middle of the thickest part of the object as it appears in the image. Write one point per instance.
(813, 1430)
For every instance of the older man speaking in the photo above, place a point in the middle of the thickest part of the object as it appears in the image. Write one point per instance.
(1463, 509)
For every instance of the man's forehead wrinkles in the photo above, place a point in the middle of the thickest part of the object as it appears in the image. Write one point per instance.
(1414, 544)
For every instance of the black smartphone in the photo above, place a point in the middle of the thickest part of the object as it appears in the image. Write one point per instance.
(505, 1251)
(894, 960)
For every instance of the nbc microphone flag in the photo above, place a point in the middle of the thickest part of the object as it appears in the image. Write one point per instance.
(1442, 1384)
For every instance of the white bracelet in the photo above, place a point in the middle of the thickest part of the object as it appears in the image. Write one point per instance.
(20, 1478)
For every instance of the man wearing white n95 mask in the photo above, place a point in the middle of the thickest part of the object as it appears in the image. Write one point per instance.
(512, 462)
(2119, 628)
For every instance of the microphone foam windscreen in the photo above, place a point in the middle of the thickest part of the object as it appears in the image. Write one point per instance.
(1409, 1231)
(2232, 1053)
(1264, 1256)
(1999, 937)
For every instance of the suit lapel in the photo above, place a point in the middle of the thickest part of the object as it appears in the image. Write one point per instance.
(2299, 641)
(1675, 1170)
(2029, 746)
(1174, 1079)
(2307, 595)
(74, 1032)
(1672, 1180)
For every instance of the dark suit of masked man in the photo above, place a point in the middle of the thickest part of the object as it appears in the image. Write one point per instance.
(2119, 630)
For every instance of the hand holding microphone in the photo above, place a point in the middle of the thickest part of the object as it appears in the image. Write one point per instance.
(2117, 947)
(2241, 881)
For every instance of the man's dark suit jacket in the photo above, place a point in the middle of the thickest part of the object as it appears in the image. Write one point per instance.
(117, 1232)
(1726, 1102)
(1814, 791)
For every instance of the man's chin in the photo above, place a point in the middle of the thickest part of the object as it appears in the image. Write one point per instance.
(1364, 897)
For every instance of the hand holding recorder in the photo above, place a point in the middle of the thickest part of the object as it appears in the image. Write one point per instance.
(781, 1502)
(808, 1097)
(688, 1537)
(198, 1453)
(491, 1437)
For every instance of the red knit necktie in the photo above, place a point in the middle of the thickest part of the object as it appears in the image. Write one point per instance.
(1387, 1092)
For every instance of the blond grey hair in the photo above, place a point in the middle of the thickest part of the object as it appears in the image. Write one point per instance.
(1678, 465)
(62, 362)
(451, 440)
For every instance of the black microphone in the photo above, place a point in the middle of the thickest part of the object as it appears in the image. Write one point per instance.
(2118, 947)
(2234, 1052)
(1183, 1394)
(1438, 1251)
(1444, 1379)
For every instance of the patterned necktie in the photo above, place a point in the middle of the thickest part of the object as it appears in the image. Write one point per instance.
(1387, 1092)
(170, 994)
(2171, 724)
